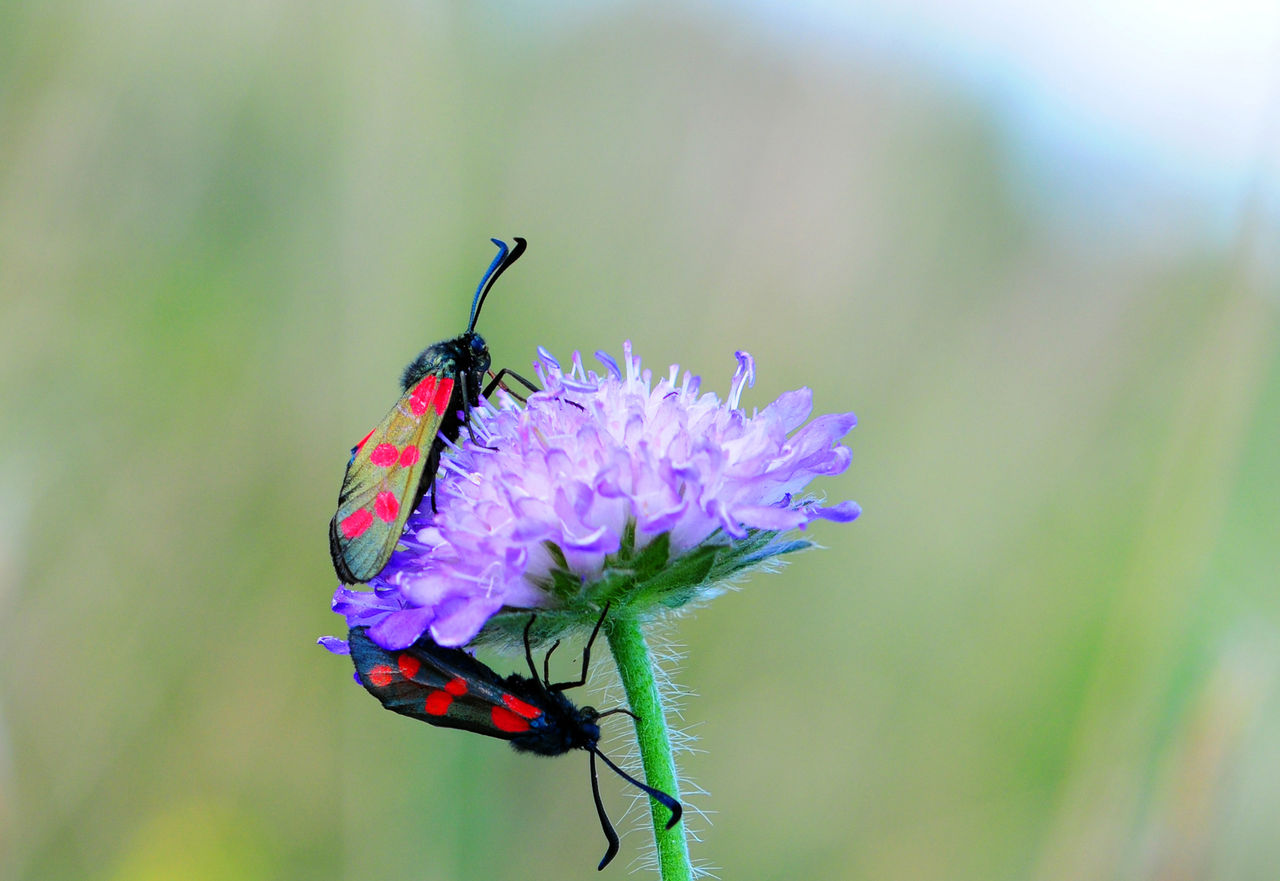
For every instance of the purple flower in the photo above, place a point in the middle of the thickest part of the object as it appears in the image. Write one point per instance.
(601, 488)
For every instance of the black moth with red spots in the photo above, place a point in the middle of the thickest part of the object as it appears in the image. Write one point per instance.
(449, 688)
(391, 470)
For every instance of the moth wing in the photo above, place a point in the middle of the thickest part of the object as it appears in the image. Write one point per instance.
(441, 686)
(382, 481)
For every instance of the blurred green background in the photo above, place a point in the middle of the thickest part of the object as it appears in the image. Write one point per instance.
(1049, 649)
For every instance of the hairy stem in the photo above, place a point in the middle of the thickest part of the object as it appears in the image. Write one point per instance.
(635, 666)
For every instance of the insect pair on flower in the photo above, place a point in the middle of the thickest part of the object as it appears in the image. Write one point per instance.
(617, 490)
(388, 475)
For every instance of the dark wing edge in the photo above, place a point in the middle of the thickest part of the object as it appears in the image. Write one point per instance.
(345, 575)
(356, 561)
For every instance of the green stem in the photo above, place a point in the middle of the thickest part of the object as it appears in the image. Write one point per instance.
(635, 666)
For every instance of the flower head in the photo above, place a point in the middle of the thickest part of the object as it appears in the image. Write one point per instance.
(601, 488)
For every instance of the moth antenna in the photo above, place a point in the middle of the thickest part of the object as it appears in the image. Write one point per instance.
(484, 282)
(499, 265)
(609, 834)
(670, 803)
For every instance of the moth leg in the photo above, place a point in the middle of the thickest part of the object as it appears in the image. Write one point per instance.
(505, 371)
(428, 481)
(546, 661)
(497, 383)
(466, 413)
(586, 656)
(528, 649)
(617, 710)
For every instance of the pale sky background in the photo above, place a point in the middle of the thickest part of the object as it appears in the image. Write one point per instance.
(1099, 100)
(1189, 87)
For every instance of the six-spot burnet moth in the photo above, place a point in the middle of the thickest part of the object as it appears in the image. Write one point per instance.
(449, 688)
(393, 467)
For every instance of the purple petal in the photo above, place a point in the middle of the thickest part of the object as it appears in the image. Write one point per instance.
(601, 540)
(745, 375)
(844, 512)
(335, 645)
(661, 520)
(361, 605)
(823, 431)
(768, 517)
(425, 589)
(460, 619)
(730, 524)
(791, 409)
(580, 386)
(547, 358)
(516, 557)
(611, 365)
(399, 630)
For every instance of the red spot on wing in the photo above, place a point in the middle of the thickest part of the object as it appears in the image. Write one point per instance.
(518, 706)
(443, 392)
(438, 703)
(360, 445)
(386, 506)
(355, 523)
(420, 398)
(409, 666)
(381, 675)
(384, 455)
(409, 456)
(505, 720)
(457, 686)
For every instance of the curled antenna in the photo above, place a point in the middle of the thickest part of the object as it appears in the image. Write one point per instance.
(612, 837)
(501, 261)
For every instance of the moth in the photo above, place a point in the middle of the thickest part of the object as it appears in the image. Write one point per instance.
(449, 688)
(391, 470)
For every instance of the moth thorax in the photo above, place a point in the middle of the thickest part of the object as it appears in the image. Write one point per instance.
(465, 356)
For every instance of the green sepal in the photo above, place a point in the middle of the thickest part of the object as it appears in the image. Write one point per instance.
(653, 557)
(678, 583)
(640, 583)
(754, 550)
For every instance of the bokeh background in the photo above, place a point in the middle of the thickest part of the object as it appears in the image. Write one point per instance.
(1033, 247)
